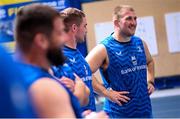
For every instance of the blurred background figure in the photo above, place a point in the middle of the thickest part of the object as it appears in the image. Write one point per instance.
(14, 98)
(76, 30)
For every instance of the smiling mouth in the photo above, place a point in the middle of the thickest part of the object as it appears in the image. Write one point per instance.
(132, 28)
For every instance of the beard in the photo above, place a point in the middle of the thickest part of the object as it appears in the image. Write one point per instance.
(55, 56)
(80, 39)
(126, 33)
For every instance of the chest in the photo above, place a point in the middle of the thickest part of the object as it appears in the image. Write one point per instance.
(126, 55)
(79, 65)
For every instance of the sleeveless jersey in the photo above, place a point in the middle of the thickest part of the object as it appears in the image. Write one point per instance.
(33, 73)
(11, 104)
(127, 72)
(79, 65)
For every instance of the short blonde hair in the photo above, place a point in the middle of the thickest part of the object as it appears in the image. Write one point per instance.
(118, 11)
(72, 16)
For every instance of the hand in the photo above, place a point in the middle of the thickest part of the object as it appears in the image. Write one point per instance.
(150, 88)
(68, 83)
(82, 92)
(86, 112)
(118, 96)
(77, 78)
(81, 84)
(96, 115)
(101, 115)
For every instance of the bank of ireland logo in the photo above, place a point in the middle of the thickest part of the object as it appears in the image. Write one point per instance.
(133, 59)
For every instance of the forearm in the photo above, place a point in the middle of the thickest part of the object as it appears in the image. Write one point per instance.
(99, 88)
(150, 71)
(150, 64)
(82, 93)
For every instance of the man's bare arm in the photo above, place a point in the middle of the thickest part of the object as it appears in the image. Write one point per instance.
(50, 99)
(150, 70)
(98, 58)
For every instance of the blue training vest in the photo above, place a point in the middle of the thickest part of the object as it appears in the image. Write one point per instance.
(14, 98)
(79, 65)
(33, 73)
(64, 70)
(127, 72)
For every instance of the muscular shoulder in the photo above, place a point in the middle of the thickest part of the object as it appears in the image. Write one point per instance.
(96, 57)
(45, 86)
(97, 52)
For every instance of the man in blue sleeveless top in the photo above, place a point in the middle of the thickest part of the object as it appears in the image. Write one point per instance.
(14, 98)
(126, 66)
(38, 32)
(73, 82)
(75, 27)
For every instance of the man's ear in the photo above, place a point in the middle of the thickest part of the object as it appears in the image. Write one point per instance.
(116, 23)
(74, 28)
(41, 41)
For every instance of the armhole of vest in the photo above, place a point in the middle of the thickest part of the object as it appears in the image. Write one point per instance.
(107, 55)
(141, 41)
(34, 81)
(88, 67)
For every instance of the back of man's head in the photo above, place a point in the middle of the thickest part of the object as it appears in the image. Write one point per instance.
(72, 16)
(33, 19)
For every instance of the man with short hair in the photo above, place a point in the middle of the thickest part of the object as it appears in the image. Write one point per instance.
(126, 66)
(75, 28)
(38, 31)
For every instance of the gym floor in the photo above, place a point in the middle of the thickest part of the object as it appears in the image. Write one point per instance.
(165, 103)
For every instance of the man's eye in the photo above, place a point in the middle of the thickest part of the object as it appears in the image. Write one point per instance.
(131, 18)
(128, 18)
(135, 18)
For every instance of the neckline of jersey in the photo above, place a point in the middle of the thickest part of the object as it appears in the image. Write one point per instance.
(70, 48)
(128, 42)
